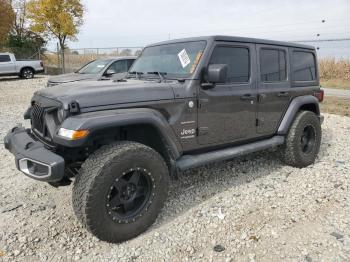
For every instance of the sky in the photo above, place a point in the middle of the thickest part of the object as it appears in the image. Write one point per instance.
(111, 23)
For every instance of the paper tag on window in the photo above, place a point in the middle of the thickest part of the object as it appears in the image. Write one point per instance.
(184, 59)
(100, 65)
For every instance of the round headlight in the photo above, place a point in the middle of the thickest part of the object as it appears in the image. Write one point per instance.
(60, 115)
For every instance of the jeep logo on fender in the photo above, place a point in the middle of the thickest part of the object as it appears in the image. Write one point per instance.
(188, 133)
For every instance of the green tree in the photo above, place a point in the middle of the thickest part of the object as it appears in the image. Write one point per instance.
(6, 20)
(60, 19)
(22, 41)
(20, 26)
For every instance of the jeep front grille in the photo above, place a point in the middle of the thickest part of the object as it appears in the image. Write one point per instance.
(38, 121)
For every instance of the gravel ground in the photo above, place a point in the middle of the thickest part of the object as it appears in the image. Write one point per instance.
(252, 208)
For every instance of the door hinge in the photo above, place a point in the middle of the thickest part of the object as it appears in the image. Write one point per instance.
(202, 102)
(261, 97)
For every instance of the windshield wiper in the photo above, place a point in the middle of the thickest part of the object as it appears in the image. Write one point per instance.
(137, 74)
(160, 74)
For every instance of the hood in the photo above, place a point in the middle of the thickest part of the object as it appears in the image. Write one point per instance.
(66, 78)
(103, 93)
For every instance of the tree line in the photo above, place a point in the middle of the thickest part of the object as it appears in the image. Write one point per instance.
(28, 25)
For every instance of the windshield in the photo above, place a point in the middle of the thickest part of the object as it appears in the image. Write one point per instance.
(172, 60)
(94, 67)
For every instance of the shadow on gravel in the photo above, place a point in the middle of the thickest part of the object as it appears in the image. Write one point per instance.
(199, 185)
(16, 78)
(327, 137)
(3, 79)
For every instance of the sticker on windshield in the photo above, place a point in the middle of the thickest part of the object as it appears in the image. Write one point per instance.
(100, 65)
(184, 59)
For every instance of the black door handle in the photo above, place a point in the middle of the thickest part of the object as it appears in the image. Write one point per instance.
(247, 97)
(280, 94)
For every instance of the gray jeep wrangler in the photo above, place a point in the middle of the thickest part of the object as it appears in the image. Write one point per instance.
(184, 103)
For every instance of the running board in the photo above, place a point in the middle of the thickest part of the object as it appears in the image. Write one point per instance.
(191, 161)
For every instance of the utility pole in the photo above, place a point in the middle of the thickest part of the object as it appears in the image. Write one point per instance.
(323, 21)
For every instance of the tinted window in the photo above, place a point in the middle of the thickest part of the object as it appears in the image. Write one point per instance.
(304, 68)
(120, 66)
(5, 58)
(237, 59)
(273, 65)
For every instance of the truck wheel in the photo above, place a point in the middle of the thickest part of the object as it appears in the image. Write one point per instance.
(303, 140)
(119, 191)
(27, 73)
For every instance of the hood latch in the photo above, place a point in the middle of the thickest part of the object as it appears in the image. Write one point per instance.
(74, 107)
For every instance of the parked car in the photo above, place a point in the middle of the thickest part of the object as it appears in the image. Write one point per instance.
(185, 103)
(95, 70)
(10, 66)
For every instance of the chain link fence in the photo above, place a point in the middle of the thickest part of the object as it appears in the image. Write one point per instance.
(76, 58)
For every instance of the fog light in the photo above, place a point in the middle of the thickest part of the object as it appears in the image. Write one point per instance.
(72, 134)
(34, 168)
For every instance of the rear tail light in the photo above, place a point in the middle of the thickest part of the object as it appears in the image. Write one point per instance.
(41, 64)
(319, 95)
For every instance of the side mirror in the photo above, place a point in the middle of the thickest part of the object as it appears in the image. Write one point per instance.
(109, 72)
(217, 73)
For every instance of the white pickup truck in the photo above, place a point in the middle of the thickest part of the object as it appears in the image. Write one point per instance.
(9, 66)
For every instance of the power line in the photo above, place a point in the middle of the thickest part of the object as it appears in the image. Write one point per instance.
(322, 40)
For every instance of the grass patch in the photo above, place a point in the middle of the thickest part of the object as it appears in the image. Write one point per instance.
(336, 105)
(336, 83)
(335, 72)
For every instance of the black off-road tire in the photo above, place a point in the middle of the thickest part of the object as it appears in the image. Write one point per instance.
(27, 73)
(93, 182)
(292, 151)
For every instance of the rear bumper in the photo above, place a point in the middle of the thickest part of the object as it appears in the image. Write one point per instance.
(32, 157)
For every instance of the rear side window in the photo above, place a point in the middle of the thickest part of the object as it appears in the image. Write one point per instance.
(5, 58)
(303, 66)
(273, 65)
(237, 59)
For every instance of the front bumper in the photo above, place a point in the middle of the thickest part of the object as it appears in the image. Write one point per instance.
(32, 157)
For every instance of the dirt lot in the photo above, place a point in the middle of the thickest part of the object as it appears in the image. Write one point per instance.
(336, 105)
(252, 208)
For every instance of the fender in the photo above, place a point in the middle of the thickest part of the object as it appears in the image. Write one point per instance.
(292, 110)
(95, 121)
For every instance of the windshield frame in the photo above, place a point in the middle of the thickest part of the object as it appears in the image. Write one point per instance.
(99, 72)
(188, 76)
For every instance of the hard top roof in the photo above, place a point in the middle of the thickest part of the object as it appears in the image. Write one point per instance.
(235, 39)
